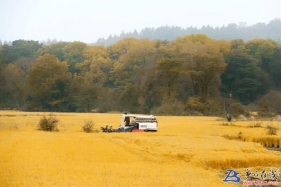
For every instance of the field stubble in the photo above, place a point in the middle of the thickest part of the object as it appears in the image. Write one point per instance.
(186, 151)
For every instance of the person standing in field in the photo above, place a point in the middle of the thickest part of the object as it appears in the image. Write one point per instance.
(127, 121)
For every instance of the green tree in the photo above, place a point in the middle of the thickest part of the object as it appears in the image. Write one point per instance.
(83, 93)
(263, 50)
(243, 78)
(47, 84)
(54, 49)
(274, 68)
(20, 48)
(14, 80)
(73, 54)
(6, 100)
(15, 84)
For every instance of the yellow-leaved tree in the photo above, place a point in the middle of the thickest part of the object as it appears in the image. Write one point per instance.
(90, 85)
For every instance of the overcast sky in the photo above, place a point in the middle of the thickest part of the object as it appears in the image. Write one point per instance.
(88, 20)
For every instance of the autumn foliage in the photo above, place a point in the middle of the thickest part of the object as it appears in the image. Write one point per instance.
(192, 73)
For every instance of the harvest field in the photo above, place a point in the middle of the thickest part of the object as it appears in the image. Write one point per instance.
(186, 151)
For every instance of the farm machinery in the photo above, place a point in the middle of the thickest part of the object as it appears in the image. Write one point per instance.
(134, 123)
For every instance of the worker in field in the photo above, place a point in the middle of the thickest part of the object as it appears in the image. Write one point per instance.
(127, 121)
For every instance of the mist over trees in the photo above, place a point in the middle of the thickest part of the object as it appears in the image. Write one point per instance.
(189, 75)
(231, 31)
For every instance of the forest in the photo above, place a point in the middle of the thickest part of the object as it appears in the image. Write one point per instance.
(230, 32)
(190, 75)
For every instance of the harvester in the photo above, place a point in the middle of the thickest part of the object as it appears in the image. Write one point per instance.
(135, 123)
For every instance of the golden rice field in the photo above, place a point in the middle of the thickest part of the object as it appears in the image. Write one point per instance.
(186, 151)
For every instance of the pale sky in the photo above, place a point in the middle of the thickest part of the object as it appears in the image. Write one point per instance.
(88, 20)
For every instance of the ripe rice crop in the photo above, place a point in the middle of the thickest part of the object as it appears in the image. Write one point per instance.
(186, 151)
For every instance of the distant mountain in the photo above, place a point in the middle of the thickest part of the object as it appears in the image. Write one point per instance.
(232, 31)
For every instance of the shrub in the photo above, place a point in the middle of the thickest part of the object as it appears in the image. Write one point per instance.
(212, 106)
(89, 127)
(242, 117)
(256, 125)
(238, 137)
(224, 124)
(195, 104)
(228, 124)
(240, 134)
(270, 104)
(48, 124)
(237, 109)
(271, 130)
(170, 106)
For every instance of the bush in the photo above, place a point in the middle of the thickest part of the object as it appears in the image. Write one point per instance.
(224, 124)
(270, 104)
(256, 125)
(210, 107)
(240, 134)
(195, 104)
(48, 124)
(170, 106)
(237, 109)
(89, 127)
(228, 124)
(238, 137)
(271, 130)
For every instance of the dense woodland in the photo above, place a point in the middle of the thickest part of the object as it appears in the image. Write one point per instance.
(190, 75)
(230, 32)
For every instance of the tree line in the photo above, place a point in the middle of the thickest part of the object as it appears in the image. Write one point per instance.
(191, 74)
(231, 31)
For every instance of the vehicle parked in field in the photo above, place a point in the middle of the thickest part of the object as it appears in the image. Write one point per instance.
(135, 123)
